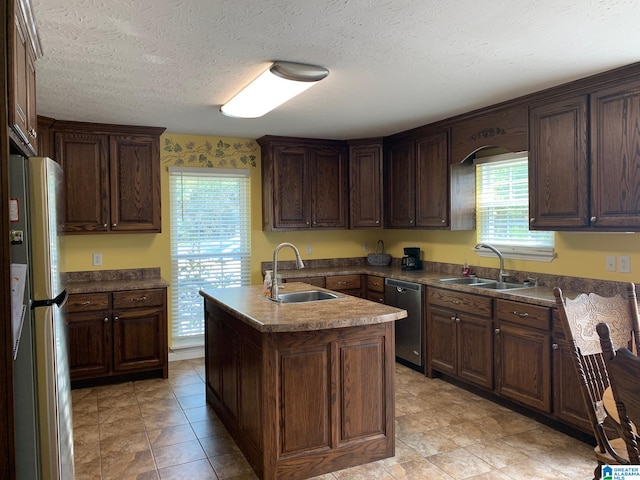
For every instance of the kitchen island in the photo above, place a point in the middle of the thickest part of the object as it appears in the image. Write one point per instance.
(303, 388)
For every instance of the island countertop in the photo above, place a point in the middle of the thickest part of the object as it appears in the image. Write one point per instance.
(249, 305)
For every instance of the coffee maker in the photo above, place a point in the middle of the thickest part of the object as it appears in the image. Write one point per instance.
(411, 259)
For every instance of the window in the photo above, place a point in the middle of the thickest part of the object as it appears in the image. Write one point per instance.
(502, 209)
(210, 242)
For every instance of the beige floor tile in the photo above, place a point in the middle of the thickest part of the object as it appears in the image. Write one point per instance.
(162, 420)
(117, 401)
(497, 454)
(161, 437)
(369, 471)
(112, 414)
(421, 469)
(460, 464)
(198, 414)
(86, 434)
(430, 443)
(178, 453)
(218, 445)
(121, 427)
(126, 443)
(198, 470)
(123, 465)
(192, 401)
(535, 470)
(230, 465)
(186, 390)
(160, 405)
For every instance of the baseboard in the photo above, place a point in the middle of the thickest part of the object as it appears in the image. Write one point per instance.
(186, 353)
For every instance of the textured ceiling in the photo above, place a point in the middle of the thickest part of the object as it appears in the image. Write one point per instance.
(395, 64)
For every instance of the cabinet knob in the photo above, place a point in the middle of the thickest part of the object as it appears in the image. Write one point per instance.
(104, 225)
(442, 221)
(593, 219)
(105, 319)
(496, 331)
(523, 315)
(307, 223)
(453, 319)
(377, 222)
(114, 224)
(33, 133)
(457, 320)
(532, 220)
(555, 346)
(116, 318)
(139, 299)
(411, 222)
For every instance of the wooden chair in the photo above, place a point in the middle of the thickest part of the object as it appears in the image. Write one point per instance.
(624, 375)
(579, 319)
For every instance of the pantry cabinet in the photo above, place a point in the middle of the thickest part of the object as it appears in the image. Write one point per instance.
(365, 184)
(304, 184)
(24, 49)
(523, 353)
(111, 177)
(117, 333)
(460, 336)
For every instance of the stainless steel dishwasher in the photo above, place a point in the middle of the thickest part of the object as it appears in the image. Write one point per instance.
(409, 331)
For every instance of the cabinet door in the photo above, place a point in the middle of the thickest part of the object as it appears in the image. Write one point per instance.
(558, 165)
(291, 198)
(615, 157)
(365, 177)
(18, 88)
(474, 346)
(135, 183)
(442, 340)
(568, 404)
(400, 181)
(213, 335)
(523, 365)
(32, 116)
(139, 339)
(89, 344)
(328, 179)
(84, 161)
(432, 187)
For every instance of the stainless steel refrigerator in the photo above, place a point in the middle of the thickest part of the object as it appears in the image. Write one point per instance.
(42, 396)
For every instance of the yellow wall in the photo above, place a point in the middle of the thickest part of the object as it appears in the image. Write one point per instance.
(579, 254)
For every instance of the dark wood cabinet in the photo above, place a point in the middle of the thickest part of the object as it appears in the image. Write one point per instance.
(460, 336)
(365, 184)
(115, 333)
(304, 183)
(375, 288)
(349, 284)
(400, 184)
(559, 164)
(523, 353)
(111, 177)
(24, 48)
(432, 176)
(615, 157)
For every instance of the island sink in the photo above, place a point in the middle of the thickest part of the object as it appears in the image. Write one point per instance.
(307, 296)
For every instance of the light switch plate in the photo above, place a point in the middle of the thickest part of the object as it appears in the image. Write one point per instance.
(97, 259)
(624, 264)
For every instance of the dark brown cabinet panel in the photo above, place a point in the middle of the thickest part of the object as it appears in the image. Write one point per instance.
(460, 336)
(568, 404)
(115, 333)
(23, 51)
(559, 164)
(432, 175)
(365, 180)
(615, 157)
(304, 183)
(400, 182)
(111, 177)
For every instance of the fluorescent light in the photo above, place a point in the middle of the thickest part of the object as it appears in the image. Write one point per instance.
(280, 82)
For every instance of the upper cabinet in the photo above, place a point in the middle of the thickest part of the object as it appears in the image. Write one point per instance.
(111, 177)
(365, 183)
(419, 184)
(24, 48)
(304, 183)
(584, 155)
(559, 164)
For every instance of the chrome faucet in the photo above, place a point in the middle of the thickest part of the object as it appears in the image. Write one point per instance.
(274, 280)
(502, 275)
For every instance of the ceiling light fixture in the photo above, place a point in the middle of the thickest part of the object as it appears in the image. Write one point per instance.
(279, 83)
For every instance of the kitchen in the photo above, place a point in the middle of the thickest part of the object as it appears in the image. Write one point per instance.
(578, 254)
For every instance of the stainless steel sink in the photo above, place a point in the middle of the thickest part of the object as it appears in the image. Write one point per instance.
(502, 286)
(468, 281)
(306, 296)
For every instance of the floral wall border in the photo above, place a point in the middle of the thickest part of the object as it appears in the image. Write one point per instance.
(207, 152)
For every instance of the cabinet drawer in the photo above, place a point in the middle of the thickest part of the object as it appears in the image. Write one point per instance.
(375, 297)
(317, 281)
(523, 314)
(83, 302)
(343, 282)
(138, 298)
(460, 302)
(375, 283)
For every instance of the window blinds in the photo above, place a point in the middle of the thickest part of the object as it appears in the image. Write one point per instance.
(210, 242)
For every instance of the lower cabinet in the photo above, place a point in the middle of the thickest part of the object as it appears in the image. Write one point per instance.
(375, 288)
(116, 333)
(349, 284)
(523, 353)
(460, 337)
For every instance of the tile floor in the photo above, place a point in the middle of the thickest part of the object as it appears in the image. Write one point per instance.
(162, 429)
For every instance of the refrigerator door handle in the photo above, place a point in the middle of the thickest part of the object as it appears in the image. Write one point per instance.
(60, 300)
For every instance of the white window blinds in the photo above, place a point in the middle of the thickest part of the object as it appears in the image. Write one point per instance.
(210, 242)
(502, 209)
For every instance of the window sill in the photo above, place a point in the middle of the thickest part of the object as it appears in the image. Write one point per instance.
(521, 253)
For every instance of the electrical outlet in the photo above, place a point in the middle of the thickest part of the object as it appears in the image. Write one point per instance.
(365, 246)
(97, 259)
(624, 264)
(611, 263)
(308, 249)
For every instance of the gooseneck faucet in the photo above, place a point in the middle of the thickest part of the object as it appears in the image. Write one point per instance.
(274, 281)
(502, 274)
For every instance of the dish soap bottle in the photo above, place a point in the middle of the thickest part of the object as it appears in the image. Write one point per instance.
(465, 269)
(266, 286)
